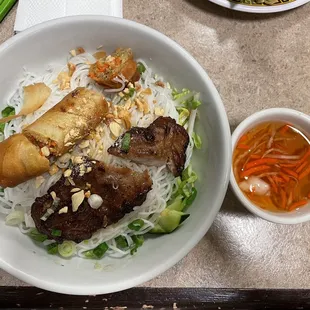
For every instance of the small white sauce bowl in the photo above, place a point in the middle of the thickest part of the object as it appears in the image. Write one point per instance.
(300, 121)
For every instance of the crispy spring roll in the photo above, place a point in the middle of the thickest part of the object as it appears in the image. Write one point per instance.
(120, 63)
(20, 160)
(68, 121)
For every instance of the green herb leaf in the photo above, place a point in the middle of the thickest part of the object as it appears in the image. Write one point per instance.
(121, 242)
(2, 125)
(131, 91)
(125, 146)
(52, 248)
(136, 225)
(56, 232)
(141, 67)
(36, 236)
(8, 111)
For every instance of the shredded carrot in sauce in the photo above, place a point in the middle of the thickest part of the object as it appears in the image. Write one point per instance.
(275, 157)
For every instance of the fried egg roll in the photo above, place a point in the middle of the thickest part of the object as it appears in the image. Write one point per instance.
(20, 160)
(69, 121)
(120, 63)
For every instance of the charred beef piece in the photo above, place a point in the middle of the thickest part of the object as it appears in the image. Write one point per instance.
(120, 188)
(163, 142)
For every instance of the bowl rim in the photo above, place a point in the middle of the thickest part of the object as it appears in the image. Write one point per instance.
(244, 126)
(224, 178)
(260, 9)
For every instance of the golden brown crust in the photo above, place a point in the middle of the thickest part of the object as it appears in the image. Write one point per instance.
(20, 161)
(68, 121)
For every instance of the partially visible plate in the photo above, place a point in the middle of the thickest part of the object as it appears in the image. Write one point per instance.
(283, 5)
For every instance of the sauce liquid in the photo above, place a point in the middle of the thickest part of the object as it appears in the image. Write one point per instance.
(271, 164)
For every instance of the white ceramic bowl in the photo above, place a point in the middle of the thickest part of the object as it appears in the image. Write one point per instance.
(258, 8)
(49, 43)
(299, 120)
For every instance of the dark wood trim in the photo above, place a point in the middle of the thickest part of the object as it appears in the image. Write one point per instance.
(160, 298)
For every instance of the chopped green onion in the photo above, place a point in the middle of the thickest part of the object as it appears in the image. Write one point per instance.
(100, 250)
(126, 142)
(186, 191)
(36, 236)
(56, 232)
(67, 249)
(121, 242)
(183, 116)
(178, 95)
(97, 252)
(140, 67)
(136, 225)
(14, 218)
(197, 140)
(1, 190)
(131, 91)
(188, 201)
(187, 173)
(52, 248)
(8, 111)
(5, 7)
(138, 241)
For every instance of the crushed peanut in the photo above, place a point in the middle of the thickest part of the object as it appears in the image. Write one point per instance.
(71, 68)
(53, 194)
(160, 84)
(115, 129)
(87, 194)
(74, 190)
(77, 159)
(67, 173)
(77, 200)
(53, 169)
(45, 151)
(159, 111)
(89, 169)
(63, 210)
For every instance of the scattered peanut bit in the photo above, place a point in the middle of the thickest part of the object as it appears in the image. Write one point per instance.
(71, 181)
(53, 194)
(71, 68)
(127, 104)
(67, 173)
(147, 91)
(130, 85)
(39, 181)
(89, 169)
(159, 111)
(87, 194)
(88, 185)
(139, 105)
(63, 79)
(84, 144)
(121, 94)
(77, 199)
(63, 210)
(160, 84)
(126, 91)
(77, 159)
(74, 190)
(45, 151)
(53, 169)
(137, 86)
(80, 50)
(154, 101)
(115, 129)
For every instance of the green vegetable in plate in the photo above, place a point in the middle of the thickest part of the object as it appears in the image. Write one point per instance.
(67, 249)
(56, 232)
(14, 218)
(126, 142)
(138, 242)
(5, 7)
(52, 248)
(8, 111)
(197, 140)
(36, 236)
(141, 67)
(97, 252)
(121, 242)
(169, 220)
(136, 225)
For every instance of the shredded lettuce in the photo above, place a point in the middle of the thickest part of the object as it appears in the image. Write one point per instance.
(197, 140)
(8, 111)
